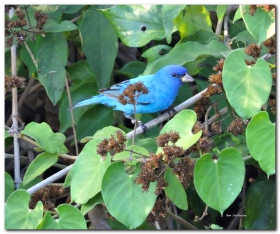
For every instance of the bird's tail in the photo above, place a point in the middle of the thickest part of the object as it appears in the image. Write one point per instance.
(93, 100)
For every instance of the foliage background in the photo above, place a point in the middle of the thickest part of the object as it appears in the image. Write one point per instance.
(91, 47)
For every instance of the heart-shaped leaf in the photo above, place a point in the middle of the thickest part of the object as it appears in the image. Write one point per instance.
(247, 87)
(183, 123)
(219, 181)
(17, 212)
(260, 136)
(87, 173)
(123, 197)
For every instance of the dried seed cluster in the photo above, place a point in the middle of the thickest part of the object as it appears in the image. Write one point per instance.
(14, 82)
(115, 144)
(237, 127)
(20, 28)
(253, 8)
(132, 92)
(201, 107)
(270, 43)
(216, 79)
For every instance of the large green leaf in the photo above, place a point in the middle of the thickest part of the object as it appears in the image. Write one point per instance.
(69, 218)
(187, 52)
(51, 58)
(219, 181)
(183, 123)
(39, 165)
(261, 25)
(97, 199)
(169, 13)
(100, 45)
(44, 136)
(247, 87)
(137, 25)
(260, 206)
(87, 173)
(260, 136)
(53, 26)
(175, 190)
(194, 19)
(9, 185)
(124, 199)
(221, 10)
(17, 212)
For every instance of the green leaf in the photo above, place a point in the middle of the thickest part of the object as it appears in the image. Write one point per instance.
(261, 25)
(156, 52)
(194, 19)
(221, 10)
(26, 57)
(87, 173)
(136, 25)
(9, 185)
(78, 93)
(87, 125)
(183, 123)
(107, 132)
(97, 199)
(64, 26)
(70, 9)
(131, 153)
(120, 193)
(218, 182)
(247, 87)
(17, 212)
(100, 45)
(169, 13)
(260, 136)
(237, 15)
(260, 206)
(46, 139)
(132, 69)
(186, 52)
(69, 218)
(39, 165)
(52, 54)
(175, 190)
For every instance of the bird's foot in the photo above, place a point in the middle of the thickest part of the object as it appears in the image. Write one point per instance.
(171, 111)
(139, 123)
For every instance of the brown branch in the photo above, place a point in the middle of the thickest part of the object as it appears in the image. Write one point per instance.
(180, 220)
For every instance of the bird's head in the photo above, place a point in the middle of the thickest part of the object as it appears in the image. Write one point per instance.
(176, 71)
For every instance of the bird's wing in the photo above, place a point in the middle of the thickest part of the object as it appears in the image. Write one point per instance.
(117, 89)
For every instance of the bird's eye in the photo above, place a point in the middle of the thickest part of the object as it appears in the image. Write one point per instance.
(174, 75)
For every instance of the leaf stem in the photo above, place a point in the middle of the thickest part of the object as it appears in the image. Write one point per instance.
(180, 220)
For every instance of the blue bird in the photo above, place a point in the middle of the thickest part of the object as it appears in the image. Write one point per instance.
(162, 86)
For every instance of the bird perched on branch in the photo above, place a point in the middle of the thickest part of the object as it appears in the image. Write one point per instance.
(144, 94)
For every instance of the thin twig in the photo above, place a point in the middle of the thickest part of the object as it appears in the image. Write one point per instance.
(31, 55)
(17, 178)
(180, 220)
(204, 213)
(72, 115)
(243, 203)
(206, 119)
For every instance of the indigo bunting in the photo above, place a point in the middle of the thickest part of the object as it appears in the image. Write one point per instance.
(161, 90)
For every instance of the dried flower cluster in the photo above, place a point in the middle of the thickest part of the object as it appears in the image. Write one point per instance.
(48, 195)
(253, 50)
(132, 92)
(41, 19)
(201, 107)
(14, 82)
(113, 144)
(17, 28)
(216, 79)
(272, 103)
(270, 43)
(237, 127)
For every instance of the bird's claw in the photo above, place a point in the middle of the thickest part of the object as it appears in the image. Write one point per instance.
(144, 127)
(171, 111)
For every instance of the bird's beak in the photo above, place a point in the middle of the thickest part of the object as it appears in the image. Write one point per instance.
(187, 78)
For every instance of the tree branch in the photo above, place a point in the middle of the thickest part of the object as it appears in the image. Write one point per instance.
(180, 220)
